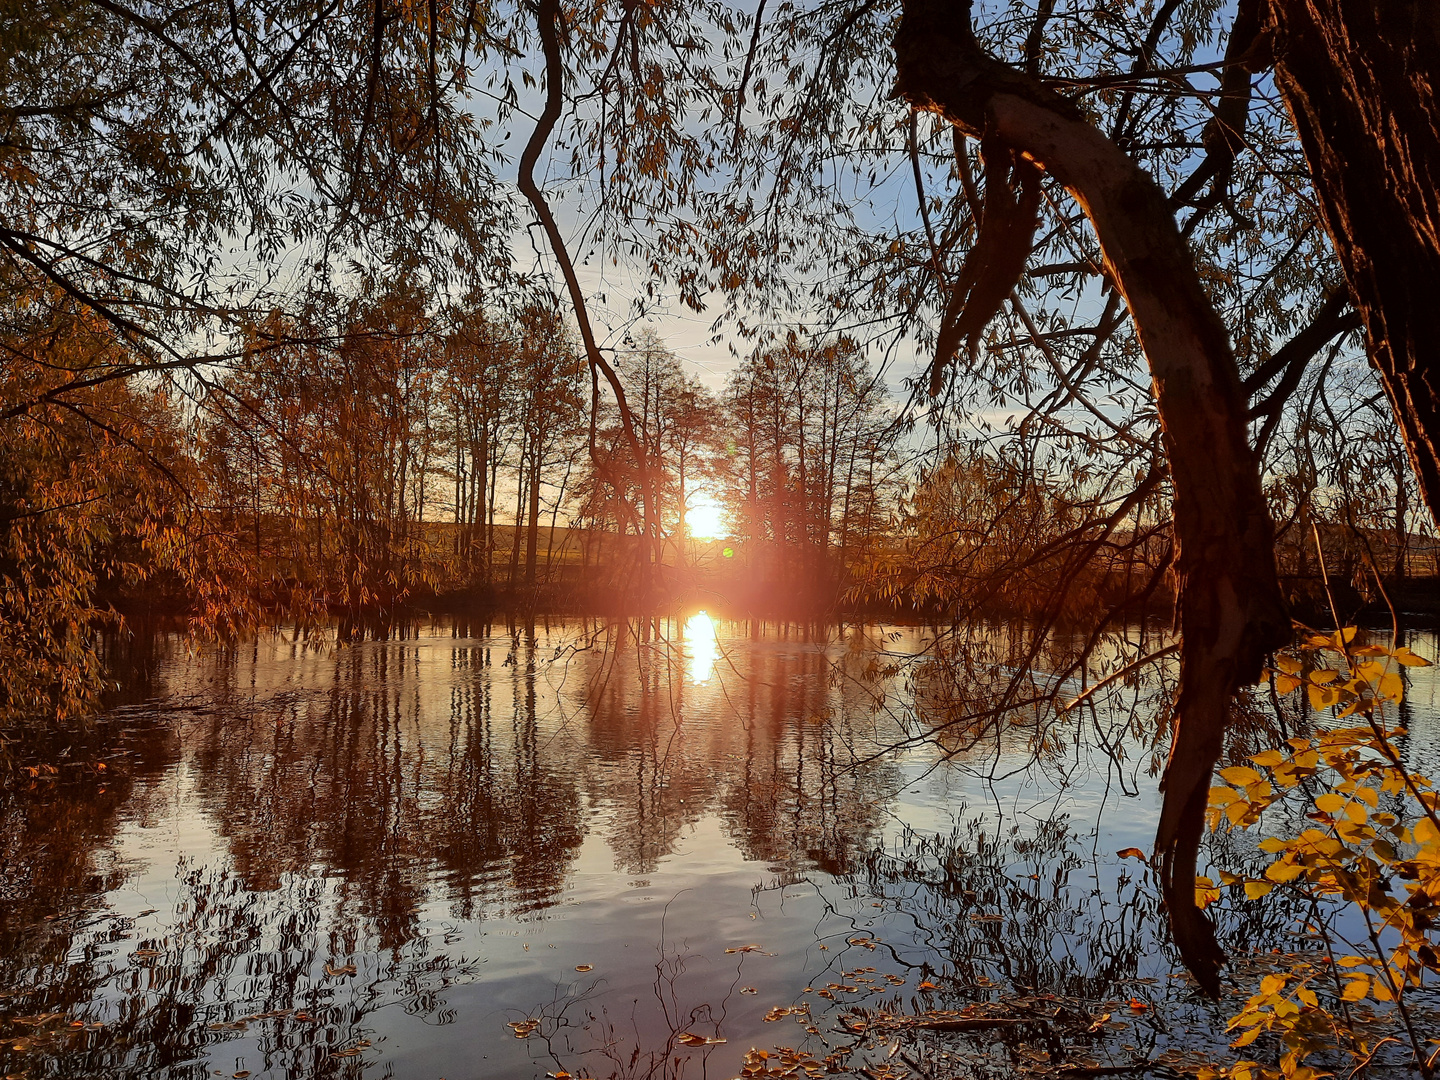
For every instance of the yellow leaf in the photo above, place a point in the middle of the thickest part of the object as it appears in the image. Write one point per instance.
(1282, 872)
(1409, 659)
(1247, 1038)
(1254, 890)
(1324, 675)
(1367, 795)
(1330, 803)
(1425, 831)
(1392, 686)
(1222, 796)
(1241, 775)
(1268, 759)
(1286, 683)
(1356, 812)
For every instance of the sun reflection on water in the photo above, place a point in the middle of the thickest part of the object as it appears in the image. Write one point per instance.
(704, 650)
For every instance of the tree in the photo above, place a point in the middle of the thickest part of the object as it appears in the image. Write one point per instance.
(811, 439)
(1362, 83)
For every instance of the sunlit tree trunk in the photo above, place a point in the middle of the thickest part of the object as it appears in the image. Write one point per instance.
(1362, 81)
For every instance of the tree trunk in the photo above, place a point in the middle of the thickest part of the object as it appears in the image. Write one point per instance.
(532, 525)
(1230, 609)
(1362, 81)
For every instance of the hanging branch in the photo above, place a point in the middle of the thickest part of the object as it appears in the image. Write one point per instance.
(548, 23)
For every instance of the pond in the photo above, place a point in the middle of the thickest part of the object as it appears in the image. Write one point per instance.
(596, 850)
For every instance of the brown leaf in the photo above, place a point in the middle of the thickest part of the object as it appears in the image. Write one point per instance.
(689, 1038)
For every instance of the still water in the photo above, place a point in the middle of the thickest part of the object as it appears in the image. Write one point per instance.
(578, 849)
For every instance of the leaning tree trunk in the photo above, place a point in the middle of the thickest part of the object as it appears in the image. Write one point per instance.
(1362, 82)
(1230, 609)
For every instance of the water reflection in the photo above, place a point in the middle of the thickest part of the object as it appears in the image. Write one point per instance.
(306, 860)
(703, 646)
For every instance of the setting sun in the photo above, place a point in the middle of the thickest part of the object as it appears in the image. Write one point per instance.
(705, 518)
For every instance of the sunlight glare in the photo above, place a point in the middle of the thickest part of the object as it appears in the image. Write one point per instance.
(704, 649)
(705, 518)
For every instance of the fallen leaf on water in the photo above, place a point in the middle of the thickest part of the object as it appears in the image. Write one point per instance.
(748, 990)
(584, 967)
(927, 985)
(786, 1010)
(1132, 853)
(523, 1028)
(1099, 1023)
(351, 1052)
(241, 1074)
(689, 1038)
(147, 911)
(1138, 1005)
(348, 969)
(146, 953)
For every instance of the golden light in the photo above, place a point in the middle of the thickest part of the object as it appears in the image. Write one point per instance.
(705, 518)
(703, 647)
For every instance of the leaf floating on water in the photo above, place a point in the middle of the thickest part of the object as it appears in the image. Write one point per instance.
(1138, 1005)
(748, 990)
(928, 985)
(749, 948)
(786, 1010)
(37, 1019)
(1132, 853)
(584, 967)
(1100, 1022)
(348, 969)
(145, 954)
(689, 1038)
(523, 1028)
(241, 1074)
(864, 942)
(353, 1051)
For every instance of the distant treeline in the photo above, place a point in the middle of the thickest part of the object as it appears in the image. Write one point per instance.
(398, 457)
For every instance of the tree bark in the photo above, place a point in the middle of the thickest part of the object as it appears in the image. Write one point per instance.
(1230, 609)
(1362, 81)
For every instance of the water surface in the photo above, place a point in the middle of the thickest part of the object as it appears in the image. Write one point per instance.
(392, 859)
